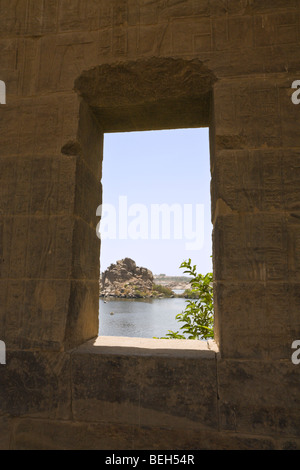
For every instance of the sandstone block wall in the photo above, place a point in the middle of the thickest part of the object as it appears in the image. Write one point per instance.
(77, 69)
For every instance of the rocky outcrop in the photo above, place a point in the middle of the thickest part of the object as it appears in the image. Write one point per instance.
(126, 280)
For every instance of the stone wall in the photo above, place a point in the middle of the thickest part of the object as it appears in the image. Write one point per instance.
(77, 69)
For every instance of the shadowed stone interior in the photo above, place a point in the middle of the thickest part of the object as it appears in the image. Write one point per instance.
(123, 98)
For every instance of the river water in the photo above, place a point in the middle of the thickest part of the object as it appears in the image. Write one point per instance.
(142, 318)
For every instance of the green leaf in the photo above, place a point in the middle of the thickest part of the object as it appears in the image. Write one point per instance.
(198, 317)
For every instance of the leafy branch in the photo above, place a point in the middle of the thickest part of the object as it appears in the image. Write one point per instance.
(198, 317)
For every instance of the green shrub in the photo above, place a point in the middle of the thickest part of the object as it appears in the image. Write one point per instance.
(198, 317)
(158, 289)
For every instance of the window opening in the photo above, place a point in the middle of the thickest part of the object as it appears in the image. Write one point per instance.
(155, 215)
(2, 92)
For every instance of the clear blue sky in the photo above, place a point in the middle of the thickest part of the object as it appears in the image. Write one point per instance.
(151, 168)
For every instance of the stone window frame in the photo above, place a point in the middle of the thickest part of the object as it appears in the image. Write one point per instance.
(143, 95)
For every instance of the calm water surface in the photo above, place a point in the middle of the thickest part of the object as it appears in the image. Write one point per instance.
(143, 318)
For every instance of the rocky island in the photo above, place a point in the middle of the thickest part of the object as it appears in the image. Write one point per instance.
(125, 279)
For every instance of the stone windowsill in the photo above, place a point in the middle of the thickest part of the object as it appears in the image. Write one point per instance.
(149, 347)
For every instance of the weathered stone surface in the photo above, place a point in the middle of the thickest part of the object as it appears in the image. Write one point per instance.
(28, 126)
(37, 185)
(145, 383)
(6, 426)
(270, 180)
(181, 97)
(33, 313)
(250, 106)
(274, 324)
(254, 246)
(68, 435)
(199, 439)
(74, 70)
(89, 135)
(289, 444)
(82, 321)
(88, 194)
(260, 397)
(86, 249)
(41, 259)
(36, 385)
